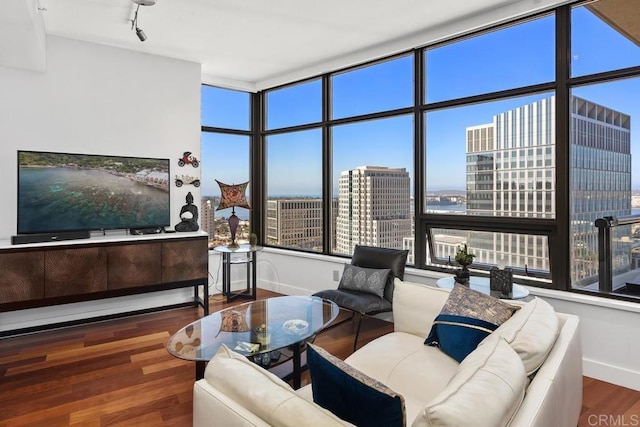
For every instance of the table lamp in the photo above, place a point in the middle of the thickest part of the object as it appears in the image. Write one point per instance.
(232, 196)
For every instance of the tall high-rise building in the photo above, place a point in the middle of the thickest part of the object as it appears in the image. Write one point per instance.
(207, 216)
(295, 223)
(511, 172)
(373, 208)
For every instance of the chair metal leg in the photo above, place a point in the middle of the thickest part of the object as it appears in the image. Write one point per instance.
(355, 341)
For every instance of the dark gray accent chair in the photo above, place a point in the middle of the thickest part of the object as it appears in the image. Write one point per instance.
(363, 303)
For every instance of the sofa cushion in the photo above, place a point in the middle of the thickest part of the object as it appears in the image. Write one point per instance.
(466, 319)
(367, 280)
(350, 394)
(415, 306)
(531, 332)
(486, 390)
(263, 393)
(375, 257)
(403, 363)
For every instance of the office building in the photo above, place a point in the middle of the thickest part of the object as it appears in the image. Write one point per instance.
(295, 223)
(511, 166)
(373, 208)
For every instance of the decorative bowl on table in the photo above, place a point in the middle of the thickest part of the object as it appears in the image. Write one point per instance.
(295, 326)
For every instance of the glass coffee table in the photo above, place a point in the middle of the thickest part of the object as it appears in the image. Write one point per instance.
(269, 332)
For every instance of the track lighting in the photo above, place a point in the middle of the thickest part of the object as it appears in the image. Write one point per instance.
(141, 35)
(134, 22)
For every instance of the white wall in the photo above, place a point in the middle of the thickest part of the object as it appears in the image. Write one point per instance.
(609, 328)
(96, 99)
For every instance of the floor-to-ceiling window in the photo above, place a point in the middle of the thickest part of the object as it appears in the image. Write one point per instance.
(511, 140)
(225, 148)
(604, 140)
(293, 157)
(489, 142)
(361, 134)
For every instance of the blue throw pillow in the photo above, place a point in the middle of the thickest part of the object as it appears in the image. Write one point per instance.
(466, 319)
(458, 335)
(352, 395)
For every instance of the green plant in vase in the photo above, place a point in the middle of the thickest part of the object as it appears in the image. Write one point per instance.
(464, 259)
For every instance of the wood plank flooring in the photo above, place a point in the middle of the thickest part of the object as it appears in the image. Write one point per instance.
(118, 373)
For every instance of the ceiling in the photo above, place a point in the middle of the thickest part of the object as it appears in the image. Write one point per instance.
(250, 44)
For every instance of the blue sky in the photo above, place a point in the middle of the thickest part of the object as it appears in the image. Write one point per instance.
(516, 56)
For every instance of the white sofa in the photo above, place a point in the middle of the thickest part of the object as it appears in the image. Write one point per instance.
(236, 392)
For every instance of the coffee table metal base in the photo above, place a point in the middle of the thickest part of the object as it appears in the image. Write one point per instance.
(295, 376)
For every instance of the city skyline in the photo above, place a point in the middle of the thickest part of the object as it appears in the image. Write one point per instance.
(510, 168)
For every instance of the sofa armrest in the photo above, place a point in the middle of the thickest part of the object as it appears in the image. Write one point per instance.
(554, 397)
(415, 306)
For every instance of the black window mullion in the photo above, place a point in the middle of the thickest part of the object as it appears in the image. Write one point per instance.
(257, 172)
(419, 163)
(327, 168)
(559, 254)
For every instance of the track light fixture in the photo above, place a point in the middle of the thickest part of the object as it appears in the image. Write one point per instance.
(134, 22)
(141, 35)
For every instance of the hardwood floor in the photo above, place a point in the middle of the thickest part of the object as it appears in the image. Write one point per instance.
(118, 373)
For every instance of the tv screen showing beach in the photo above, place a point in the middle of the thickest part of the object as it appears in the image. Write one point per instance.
(69, 192)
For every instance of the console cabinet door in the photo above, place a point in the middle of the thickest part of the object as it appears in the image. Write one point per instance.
(135, 265)
(21, 276)
(185, 260)
(75, 271)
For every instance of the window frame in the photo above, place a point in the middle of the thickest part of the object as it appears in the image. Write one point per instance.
(556, 230)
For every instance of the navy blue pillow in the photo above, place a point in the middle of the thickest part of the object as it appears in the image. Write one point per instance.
(458, 335)
(466, 319)
(352, 395)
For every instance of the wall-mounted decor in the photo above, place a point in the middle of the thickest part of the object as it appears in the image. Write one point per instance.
(188, 159)
(187, 180)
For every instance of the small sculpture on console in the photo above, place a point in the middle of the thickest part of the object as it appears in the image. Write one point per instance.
(188, 216)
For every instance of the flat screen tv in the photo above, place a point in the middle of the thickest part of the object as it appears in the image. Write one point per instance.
(59, 192)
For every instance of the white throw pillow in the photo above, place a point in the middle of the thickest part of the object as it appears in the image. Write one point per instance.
(486, 390)
(263, 393)
(531, 332)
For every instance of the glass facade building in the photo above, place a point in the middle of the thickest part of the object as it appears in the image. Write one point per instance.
(511, 170)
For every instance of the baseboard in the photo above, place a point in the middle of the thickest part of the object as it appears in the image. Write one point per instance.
(283, 288)
(40, 318)
(611, 374)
